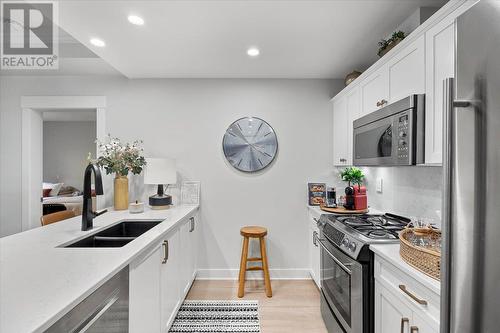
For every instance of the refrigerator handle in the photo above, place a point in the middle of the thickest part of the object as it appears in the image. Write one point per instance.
(450, 129)
(448, 151)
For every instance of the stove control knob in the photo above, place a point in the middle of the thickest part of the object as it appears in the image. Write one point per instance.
(352, 246)
(345, 242)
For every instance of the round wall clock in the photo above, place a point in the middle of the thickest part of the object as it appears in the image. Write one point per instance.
(250, 144)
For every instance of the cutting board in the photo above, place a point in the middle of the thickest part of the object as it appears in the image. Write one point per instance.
(342, 210)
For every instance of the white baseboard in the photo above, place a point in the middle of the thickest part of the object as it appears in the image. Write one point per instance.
(232, 274)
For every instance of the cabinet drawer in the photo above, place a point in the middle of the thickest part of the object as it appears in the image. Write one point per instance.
(409, 289)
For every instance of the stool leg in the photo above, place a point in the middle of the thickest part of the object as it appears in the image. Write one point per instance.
(263, 254)
(243, 268)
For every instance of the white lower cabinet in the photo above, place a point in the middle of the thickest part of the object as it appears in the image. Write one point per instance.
(314, 251)
(170, 279)
(391, 314)
(160, 279)
(397, 307)
(189, 240)
(144, 292)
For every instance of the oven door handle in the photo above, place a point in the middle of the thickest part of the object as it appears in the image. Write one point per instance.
(345, 267)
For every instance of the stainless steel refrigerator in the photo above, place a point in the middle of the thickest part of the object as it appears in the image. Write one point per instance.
(470, 294)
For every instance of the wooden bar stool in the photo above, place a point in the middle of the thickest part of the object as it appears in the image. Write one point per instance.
(260, 233)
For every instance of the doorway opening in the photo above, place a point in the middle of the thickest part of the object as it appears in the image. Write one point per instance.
(58, 133)
(68, 142)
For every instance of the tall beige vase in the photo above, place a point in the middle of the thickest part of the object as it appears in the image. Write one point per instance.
(121, 192)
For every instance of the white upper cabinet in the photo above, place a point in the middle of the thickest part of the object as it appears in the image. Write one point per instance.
(340, 132)
(406, 71)
(418, 65)
(440, 58)
(353, 113)
(374, 91)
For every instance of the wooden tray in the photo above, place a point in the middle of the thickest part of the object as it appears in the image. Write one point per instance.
(342, 210)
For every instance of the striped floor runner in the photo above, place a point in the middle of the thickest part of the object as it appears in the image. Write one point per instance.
(217, 316)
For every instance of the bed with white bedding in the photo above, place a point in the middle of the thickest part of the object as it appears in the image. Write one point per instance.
(74, 203)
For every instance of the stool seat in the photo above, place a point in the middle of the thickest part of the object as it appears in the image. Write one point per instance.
(260, 233)
(253, 231)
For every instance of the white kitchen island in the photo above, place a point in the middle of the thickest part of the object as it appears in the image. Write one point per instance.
(41, 281)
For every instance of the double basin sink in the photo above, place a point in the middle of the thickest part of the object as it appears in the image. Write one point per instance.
(117, 235)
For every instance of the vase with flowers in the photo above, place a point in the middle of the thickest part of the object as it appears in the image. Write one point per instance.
(121, 158)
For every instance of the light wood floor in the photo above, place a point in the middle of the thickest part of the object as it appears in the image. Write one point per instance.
(294, 306)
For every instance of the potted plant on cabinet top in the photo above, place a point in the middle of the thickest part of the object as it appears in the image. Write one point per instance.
(121, 158)
(387, 45)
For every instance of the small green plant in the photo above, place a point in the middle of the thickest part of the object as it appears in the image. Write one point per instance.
(352, 175)
(384, 44)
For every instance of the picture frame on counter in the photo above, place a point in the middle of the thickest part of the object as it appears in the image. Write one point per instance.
(190, 193)
(316, 194)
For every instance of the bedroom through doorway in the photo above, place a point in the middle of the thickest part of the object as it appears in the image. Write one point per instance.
(68, 140)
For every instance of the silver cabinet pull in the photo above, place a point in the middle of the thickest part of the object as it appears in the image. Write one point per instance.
(413, 297)
(315, 237)
(191, 221)
(404, 321)
(381, 103)
(413, 329)
(165, 252)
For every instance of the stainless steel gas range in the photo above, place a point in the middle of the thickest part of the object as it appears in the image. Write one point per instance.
(347, 267)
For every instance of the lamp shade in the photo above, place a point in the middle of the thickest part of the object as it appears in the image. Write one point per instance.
(160, 171)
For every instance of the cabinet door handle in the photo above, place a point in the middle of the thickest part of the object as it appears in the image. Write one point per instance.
(413, 329)
(165, 252)
(191, 221)
(413, 297)
(315, 237)
(404, 321)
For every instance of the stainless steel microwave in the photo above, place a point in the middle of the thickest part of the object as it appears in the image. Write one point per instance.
(393, 135)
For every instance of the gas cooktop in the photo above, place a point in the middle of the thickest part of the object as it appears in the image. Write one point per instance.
(375, 226)
(351, 232)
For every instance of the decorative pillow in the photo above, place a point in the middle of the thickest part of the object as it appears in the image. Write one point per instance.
(55, 190)
(46, 192)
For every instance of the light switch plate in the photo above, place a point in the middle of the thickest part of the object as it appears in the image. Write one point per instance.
(379, 185)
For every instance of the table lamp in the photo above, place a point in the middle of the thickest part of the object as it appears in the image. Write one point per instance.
(160, 171)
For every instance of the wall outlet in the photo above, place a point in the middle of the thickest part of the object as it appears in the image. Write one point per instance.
(379, 185)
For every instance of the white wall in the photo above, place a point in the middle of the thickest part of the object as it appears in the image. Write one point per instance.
(186, 119)
(66, 145)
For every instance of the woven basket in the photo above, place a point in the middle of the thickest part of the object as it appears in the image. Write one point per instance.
(426, 260)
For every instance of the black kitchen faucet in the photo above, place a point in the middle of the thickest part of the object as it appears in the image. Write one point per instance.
(88, 214)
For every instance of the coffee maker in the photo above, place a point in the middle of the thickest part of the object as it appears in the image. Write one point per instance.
(355, 198)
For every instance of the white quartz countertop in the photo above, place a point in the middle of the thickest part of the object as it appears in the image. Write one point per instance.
(40, 281)
(390, 252)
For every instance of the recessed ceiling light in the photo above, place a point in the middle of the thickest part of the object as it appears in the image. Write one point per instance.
(134, 19)
(97, 42)
(253, 52)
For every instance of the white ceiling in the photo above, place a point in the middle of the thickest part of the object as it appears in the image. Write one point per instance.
(74, 59)
(207, 38)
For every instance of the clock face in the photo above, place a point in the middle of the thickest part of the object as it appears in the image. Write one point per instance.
(250, 144)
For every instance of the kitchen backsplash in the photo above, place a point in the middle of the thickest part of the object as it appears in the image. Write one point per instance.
(408, 191)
